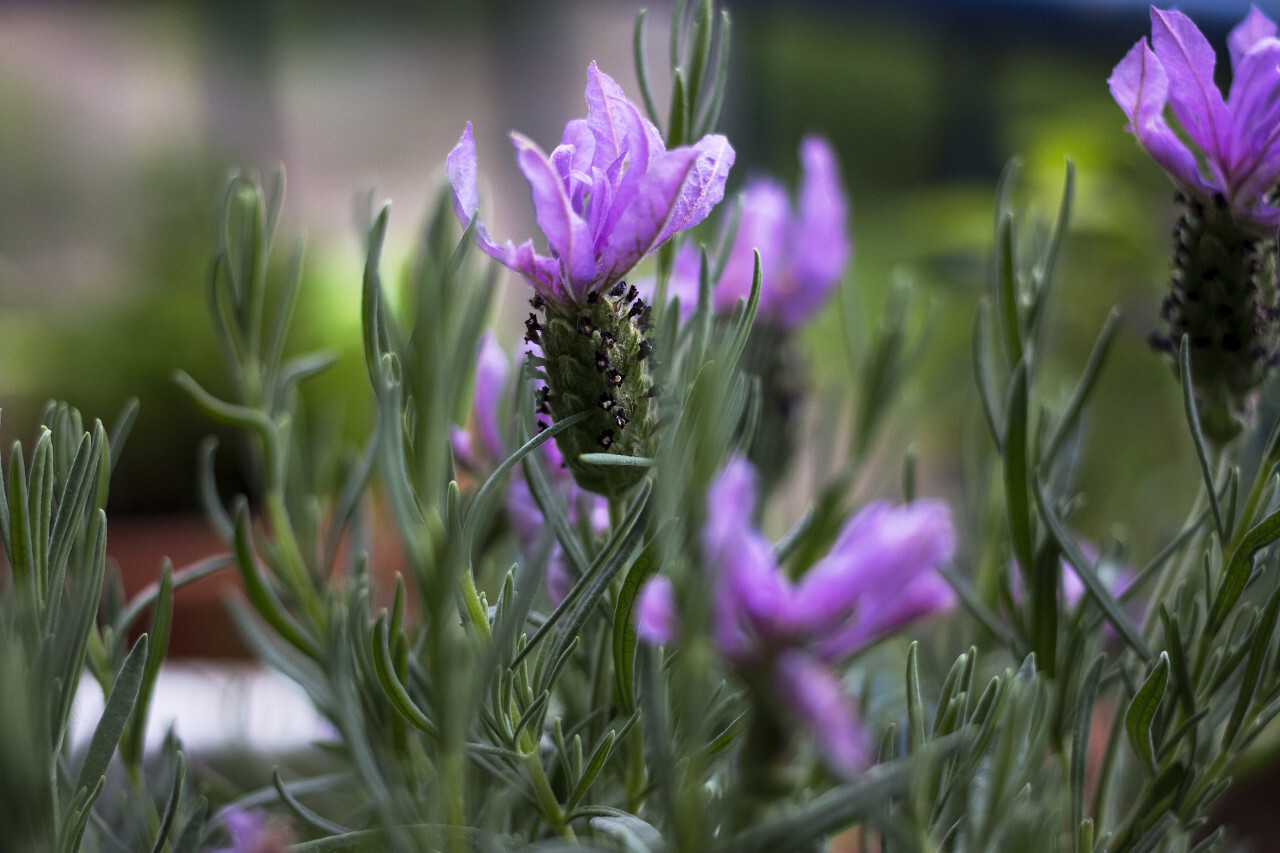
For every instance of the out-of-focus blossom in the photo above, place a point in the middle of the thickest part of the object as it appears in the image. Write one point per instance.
(606, 196)
(1238, 138)
(879, 575)
(253, 832)
(656, 619)
(804, 250)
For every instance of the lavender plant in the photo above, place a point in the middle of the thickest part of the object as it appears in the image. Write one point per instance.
(596, 646)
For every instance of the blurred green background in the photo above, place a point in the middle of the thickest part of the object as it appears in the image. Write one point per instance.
(119, 122)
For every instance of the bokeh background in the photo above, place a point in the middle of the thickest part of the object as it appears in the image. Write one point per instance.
(120, 121)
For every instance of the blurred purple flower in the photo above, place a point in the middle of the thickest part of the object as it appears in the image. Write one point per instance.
(606, 197)
(253, 832)
(656, 618)
(878, 576)
(803, 251)
(482, 448)
(1239, 138)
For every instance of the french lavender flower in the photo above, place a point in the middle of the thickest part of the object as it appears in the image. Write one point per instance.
(486, 450)
(605, 198)
(1223, 296)
(804, 249)
(804, 252)
(784, 639)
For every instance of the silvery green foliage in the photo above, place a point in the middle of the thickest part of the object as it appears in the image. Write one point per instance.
(56, 622)
(469, 713)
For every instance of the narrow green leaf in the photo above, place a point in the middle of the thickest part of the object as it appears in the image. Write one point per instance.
(20, 521)
(624, 626)
(263, 599)
(1142, 710)
(106, 736)
(192, 833)
(1258, 648)
(676, 117)
(490, 488)
(1178, 661)
(1006, 291)
(161, 621)
(121, 429)
(1081, 727)
(1088, 379)
(642, 67)
(40, 509)
(618, 460)
(71, 506)
(1016, 466)
(915, 707)
(583, 595)
(1239, 569)
(1197, 435)
(171, 806)
(377, 341)
(1085, 571)
(1156, 834)
(304, 814)
(594, 764)
(391, 685)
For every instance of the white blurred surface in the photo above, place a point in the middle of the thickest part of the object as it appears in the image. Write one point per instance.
(214, 706)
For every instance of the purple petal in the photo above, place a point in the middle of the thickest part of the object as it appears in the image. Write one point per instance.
(461, 170)
(460, 444)
(616, 124)
(566, 231)
(731, 501)
(1188, 59)
(881, 614)
(752, 596)
(656, 619)
(491, 379)
(1255, 106)
(820, 246)
(524, 513)
(1255, 27)
(815, 696)
(635, 232)
(540, 271)
(703, 189)
(578, 136)
(879, 551)
(764, 226)
(1140, 86)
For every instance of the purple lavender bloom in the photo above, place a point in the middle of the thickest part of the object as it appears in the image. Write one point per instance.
(253, 832)
(803, 251)
(656, 619)
(1239, 138)
(491, 378)
(878, 576)
(606, 197)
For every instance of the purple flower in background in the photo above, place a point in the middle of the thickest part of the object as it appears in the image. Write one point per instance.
(606, 197)
(803, 250)
(1239, 138)
(656, 618)
(878, 576)
(253, 832)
